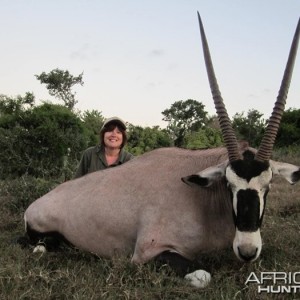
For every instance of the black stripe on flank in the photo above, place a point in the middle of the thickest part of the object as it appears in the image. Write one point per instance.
(179, 264)
(52, 240)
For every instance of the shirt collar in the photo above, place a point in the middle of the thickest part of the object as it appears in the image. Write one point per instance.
(101, 153)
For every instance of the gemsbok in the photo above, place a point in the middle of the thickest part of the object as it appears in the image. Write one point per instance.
(172, 204)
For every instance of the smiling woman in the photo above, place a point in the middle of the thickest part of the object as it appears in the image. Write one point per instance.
(110, 152)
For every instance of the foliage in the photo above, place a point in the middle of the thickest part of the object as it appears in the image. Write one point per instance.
(289, 130)
(203, 138)
(141, 140)
(41, 141)
(59, 84)
(250, 128)
(183, 117)
(92, 121)
(213, 122)
(12, 106)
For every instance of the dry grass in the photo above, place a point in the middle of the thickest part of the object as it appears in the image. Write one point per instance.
(72, 274)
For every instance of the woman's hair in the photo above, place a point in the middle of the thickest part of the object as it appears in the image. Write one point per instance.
(110, 127)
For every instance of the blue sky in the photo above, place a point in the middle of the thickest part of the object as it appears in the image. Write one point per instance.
(139, 57)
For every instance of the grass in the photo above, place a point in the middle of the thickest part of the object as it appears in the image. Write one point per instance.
(73, 274)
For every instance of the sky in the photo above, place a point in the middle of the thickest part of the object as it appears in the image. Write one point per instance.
(139, 57)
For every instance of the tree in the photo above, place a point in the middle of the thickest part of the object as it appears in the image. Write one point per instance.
(59, 84)
(141, 140)
(10, 106)
(203, 138)
(250, 128)
(41, 141)
(289, 130)
(183, 117)
(93, 121)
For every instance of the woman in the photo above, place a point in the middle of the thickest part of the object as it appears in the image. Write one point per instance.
(110, 152)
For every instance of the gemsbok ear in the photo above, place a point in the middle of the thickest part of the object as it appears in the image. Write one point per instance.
(206, 177)
(290, 172)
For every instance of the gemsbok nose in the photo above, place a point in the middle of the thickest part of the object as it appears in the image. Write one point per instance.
(247, 252)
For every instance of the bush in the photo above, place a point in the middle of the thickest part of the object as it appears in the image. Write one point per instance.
(203, 138)
(289, 130)
(141, 140)
(45, 141)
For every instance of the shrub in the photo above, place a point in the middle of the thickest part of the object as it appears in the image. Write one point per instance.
(203, 138)
(45, 141)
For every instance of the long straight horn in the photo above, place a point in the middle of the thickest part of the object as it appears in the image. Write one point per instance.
(265, 149)
(225, 124)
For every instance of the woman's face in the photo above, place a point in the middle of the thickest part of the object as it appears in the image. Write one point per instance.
(113, 138)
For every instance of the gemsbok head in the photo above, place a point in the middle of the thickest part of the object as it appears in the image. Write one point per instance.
(248, 174)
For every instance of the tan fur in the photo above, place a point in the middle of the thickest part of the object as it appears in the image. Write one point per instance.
(141, 207)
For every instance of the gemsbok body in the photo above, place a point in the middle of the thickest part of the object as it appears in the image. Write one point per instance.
(172, 203)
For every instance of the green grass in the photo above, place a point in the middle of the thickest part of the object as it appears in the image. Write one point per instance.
(73, 274)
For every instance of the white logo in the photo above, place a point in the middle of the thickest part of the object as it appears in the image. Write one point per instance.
(275, 282)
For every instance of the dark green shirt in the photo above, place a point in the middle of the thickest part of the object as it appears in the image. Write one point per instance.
(93, 159)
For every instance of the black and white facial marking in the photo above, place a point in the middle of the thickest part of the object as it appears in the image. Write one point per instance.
(249, 182)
